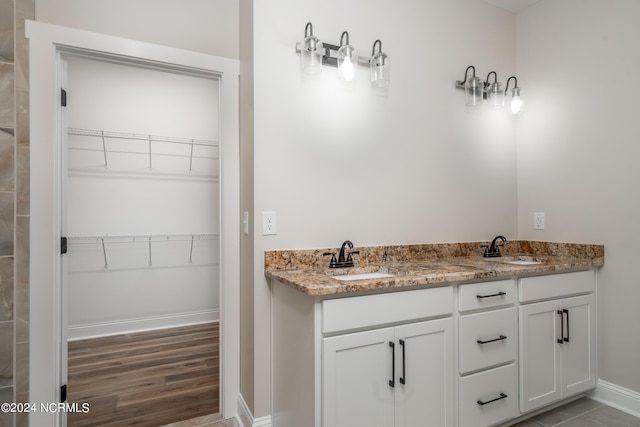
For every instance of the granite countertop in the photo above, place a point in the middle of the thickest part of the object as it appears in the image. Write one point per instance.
(425, 265)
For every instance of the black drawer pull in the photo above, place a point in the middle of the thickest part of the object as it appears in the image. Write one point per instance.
(403, 378)
(565, 311)
(392, 381)
(561, 339)
(502, 396)
(500, 338)
(499, 294)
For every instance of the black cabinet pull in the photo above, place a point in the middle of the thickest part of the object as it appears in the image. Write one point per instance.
(392, 381)
(502, 396)
(500, 338)
(403, 378)
(566, 339)
(561, 339)
(499, 294)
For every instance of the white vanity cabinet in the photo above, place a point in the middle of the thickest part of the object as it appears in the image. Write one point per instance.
(487, 353)
(557, 337)
(461, 355)
(388, 377)
(371, 360)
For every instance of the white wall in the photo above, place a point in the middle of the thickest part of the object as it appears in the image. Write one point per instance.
(136, 290)
(578, 151)
(207, 26)
(409, 166)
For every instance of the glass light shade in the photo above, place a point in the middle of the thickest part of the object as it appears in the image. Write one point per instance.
(379, 69)
(347, 62)
(495, 95)
(473, 89)
(311, 55)
(515, 101)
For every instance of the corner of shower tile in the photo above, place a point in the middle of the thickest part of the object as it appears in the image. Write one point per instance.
(6, 31)
(25, 9)
(21, 381)
(7, 96)
(22, 117)
(6, 354)
(22, 248)
(6, 223)
(6, 289)
(23, 180)
(7, 159)
(6, 396)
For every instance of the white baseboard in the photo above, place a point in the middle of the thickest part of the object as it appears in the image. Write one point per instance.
(617, 397)
(245, 417)
(102, 329)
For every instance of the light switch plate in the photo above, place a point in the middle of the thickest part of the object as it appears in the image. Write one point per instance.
(245, 222)
(269, 223)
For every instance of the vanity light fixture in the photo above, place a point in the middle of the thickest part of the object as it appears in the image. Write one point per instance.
(476, 91)
(311, 52)
(493, 93)
(379, 66)
(314, 54)
(473, 88)
(513, 97)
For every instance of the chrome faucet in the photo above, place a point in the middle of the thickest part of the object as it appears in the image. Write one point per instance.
(341, 262)
(493, 250)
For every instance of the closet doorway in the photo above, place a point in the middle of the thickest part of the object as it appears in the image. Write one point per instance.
(141, 215)
(168, 240)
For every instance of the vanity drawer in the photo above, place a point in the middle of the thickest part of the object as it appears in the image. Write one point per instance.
(487, 339)
(476, 296)
(488, 397)
(556, 285)
(365, 311)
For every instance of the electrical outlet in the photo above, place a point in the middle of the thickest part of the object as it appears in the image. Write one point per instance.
(269, 223)
(538, 220)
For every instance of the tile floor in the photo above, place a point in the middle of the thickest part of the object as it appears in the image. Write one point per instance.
(583, 412)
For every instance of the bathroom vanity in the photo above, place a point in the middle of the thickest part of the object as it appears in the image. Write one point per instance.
(431, 334)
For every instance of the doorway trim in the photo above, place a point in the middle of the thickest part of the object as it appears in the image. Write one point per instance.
(46, 43)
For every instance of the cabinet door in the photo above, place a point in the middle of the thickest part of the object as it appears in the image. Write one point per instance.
(540, 356)
(578, 349)
(356, 370)
(424, 391)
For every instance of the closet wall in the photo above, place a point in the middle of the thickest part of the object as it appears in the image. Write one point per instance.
(141, 203)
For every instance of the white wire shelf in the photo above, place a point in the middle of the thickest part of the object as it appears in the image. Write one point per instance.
(134, 238)
(150, 239)
(107, 148)
(140, 137)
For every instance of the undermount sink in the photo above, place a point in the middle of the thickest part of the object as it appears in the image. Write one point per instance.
(362, 276)
(522, 262)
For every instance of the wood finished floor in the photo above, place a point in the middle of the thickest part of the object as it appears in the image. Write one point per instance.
(145, 379)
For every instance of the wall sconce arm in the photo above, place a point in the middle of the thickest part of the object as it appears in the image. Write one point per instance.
(460, 83)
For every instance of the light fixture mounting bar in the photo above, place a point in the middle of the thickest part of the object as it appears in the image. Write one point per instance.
(330, 56)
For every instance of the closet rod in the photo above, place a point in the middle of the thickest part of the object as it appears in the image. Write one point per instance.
(140, 137)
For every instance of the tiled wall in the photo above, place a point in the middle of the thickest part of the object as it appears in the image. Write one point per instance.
(14, 206)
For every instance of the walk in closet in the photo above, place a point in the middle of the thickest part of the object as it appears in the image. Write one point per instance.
(141, 205)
